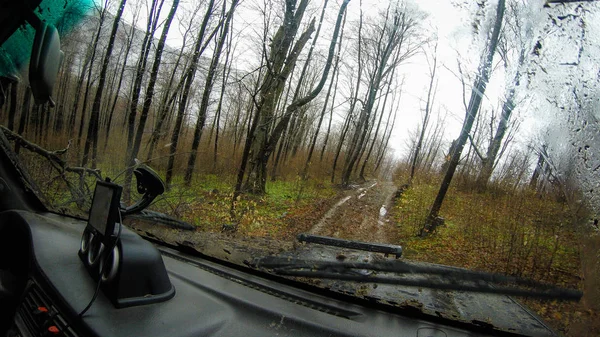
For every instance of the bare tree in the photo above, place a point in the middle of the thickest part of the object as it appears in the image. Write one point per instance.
(92, 49)
(279, 66)
(132, 154)
(386, 46)
(427, 111)
(168, 101)
(208, 86)
(522, 41)
(92, 134)
(129, 44)
(477, 92)
(224, 79)
(12, 109)
(187, 81)
(151, 26)
(361, 174)
(323, 110)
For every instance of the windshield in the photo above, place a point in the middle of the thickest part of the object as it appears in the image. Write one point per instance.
(465, 132)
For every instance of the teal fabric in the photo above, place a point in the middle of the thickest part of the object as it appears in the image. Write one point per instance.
(63, 14)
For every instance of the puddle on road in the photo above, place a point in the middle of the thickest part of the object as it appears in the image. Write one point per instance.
(382, 213)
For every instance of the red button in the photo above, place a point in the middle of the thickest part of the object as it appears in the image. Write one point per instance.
(53, 330)
(42, 309)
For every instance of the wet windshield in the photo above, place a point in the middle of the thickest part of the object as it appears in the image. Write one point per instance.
(465, 132)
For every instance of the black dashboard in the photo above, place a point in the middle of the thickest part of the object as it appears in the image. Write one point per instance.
(210, 299)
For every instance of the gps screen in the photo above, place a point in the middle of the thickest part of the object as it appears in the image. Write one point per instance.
(100, 209)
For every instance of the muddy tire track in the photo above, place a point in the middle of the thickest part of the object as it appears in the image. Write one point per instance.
(361, 215)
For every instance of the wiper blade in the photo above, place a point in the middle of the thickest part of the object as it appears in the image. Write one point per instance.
(357, 245)
(415, 275)
(162, 218)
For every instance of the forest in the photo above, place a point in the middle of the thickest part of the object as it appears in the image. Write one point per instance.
(472, 133)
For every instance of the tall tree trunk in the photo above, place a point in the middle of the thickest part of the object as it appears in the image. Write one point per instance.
(59, 121)
(361, 175)
(396, 97)
(321, 115)
(148, 100)
(386, 141)
(24, 118)
(119, 84)
(388, 40)
(354, 98)
(104, 113)
(164, 109)
(187, 80)
(78, 88)
(208, 86)
(92, 134)
(425, 123)
(471, 113)
(279, 68)
(88, 85)
(46, 122)
(508, 106)
(334, 78)
(335, 86)
(140, 72)
(24, 115)
(37, 121)
(295, 132)
(263, 142)
(84, 104)
(285, 139)
(225, 78)
(338, 151)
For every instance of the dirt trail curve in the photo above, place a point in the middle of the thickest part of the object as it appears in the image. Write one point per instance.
(361, 215)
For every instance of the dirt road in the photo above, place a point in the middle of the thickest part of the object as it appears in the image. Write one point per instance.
(360, 215)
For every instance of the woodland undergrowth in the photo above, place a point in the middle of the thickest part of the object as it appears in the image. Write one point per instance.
(515, 232)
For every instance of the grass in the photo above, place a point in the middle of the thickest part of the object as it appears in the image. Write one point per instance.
(518, 234)
(207, 204)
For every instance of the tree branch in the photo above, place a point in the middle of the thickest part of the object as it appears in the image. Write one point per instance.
(306, 99)
(476, 149)
(53, 156)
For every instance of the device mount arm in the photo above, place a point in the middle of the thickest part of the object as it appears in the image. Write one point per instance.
(149, 184)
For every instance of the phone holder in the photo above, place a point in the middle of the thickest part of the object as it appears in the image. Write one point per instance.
(149, 184)
(130, 269)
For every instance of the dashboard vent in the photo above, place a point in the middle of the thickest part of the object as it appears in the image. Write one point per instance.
(39, 316)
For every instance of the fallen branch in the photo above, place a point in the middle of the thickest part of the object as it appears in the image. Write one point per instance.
(52, 156)
(79, 193)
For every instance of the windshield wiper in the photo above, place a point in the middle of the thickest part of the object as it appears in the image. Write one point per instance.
(157, 217)
(415, 275)
(357, 245)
